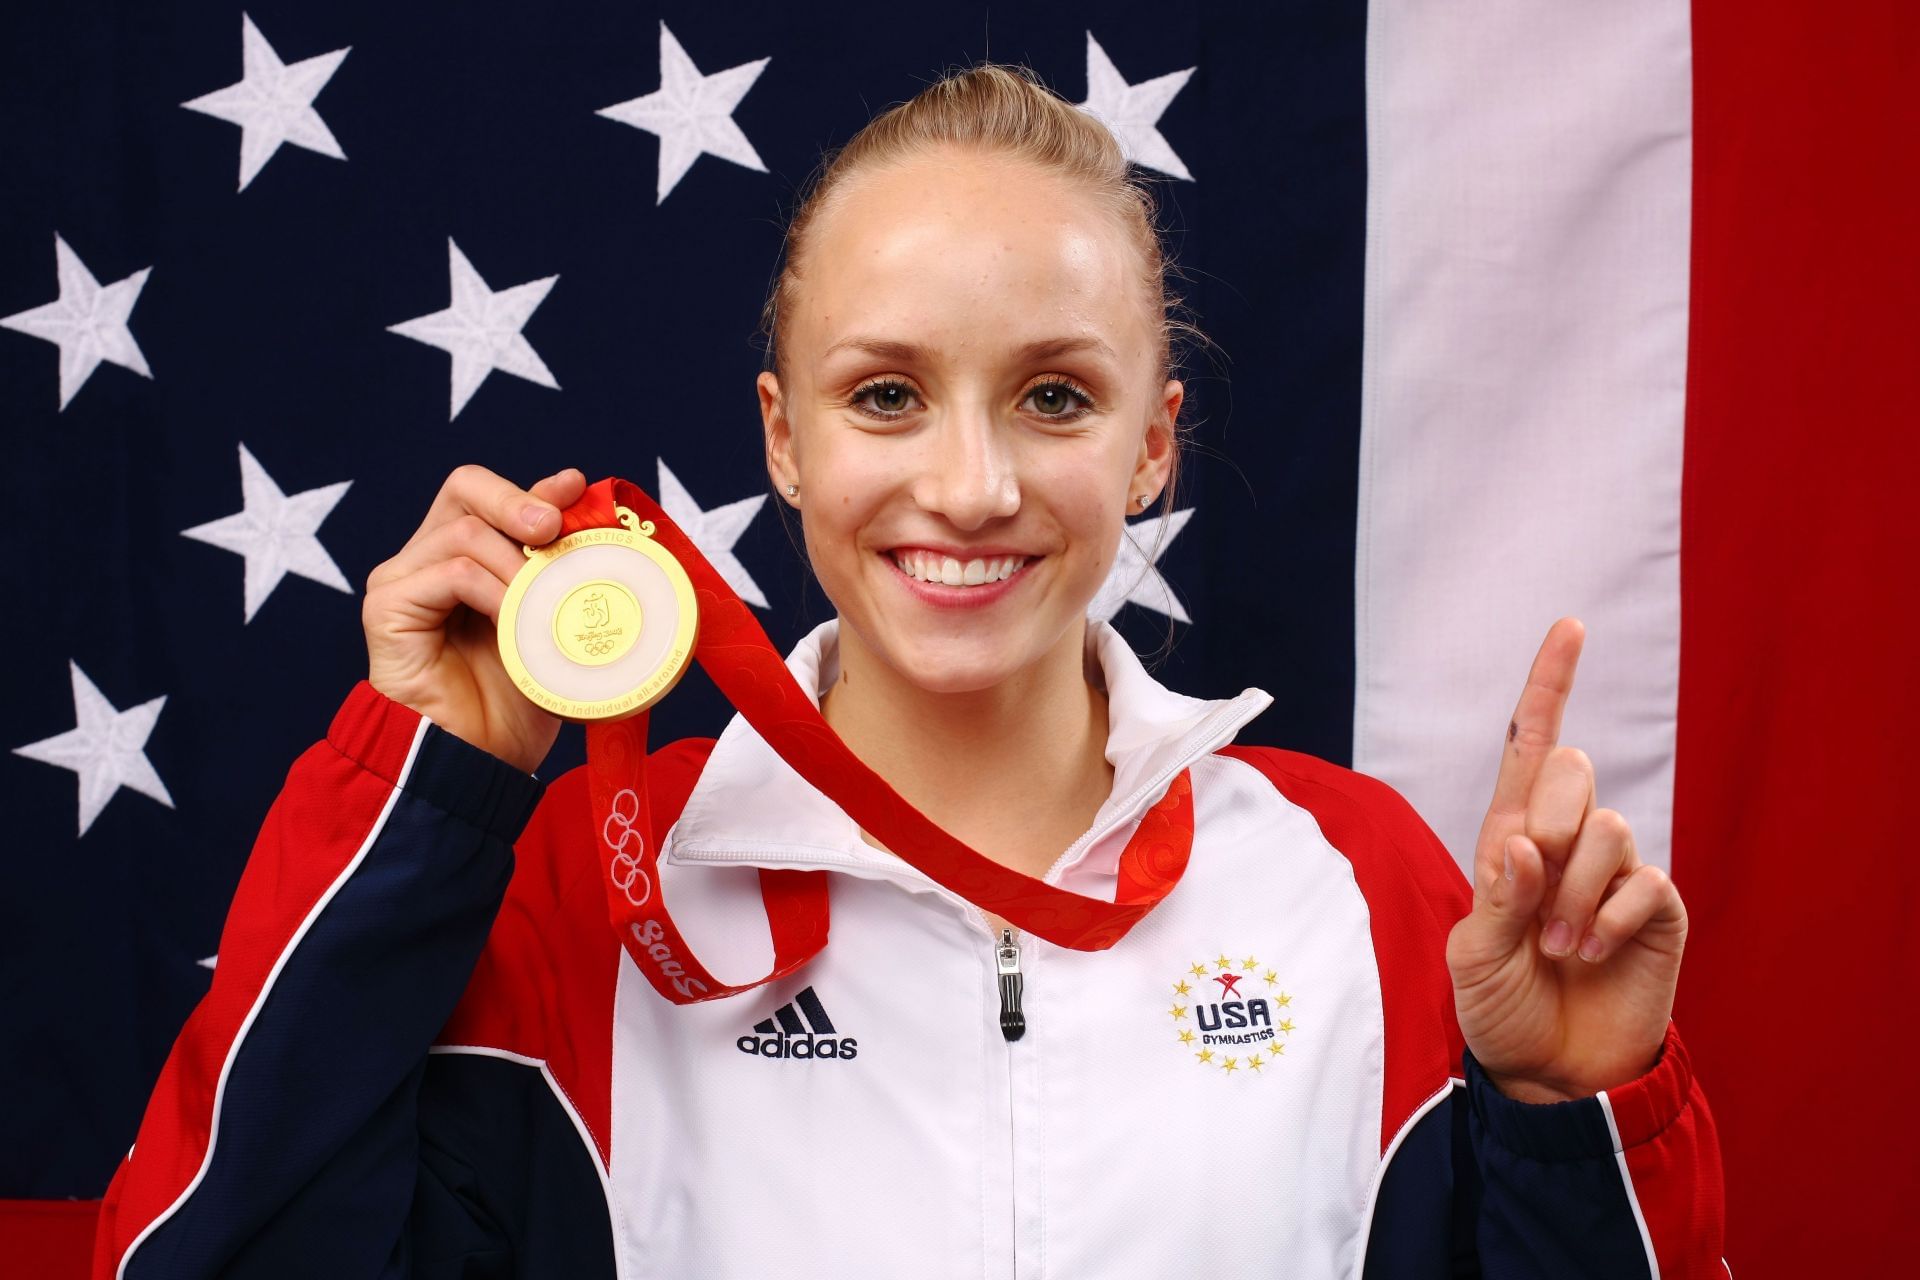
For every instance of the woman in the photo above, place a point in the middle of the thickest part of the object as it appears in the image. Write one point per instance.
(426, 1053)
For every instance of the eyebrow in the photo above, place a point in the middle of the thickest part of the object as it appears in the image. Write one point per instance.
(909, 353)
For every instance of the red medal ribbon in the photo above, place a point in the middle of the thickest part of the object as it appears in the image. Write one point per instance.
(737, 655)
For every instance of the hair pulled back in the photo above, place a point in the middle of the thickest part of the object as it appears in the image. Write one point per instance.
(1002, 110)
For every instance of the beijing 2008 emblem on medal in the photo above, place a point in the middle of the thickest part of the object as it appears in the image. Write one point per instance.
(600, 624)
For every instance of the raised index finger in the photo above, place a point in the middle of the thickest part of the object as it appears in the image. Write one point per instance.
(1535, 727)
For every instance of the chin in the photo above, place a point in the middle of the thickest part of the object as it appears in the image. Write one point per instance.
(951, 665)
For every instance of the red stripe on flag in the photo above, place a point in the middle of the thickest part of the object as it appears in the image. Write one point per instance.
(1798, 694)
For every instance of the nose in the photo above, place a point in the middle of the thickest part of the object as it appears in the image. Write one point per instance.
(969, 474)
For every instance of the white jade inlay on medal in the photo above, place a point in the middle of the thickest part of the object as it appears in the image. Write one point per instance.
(533, 623)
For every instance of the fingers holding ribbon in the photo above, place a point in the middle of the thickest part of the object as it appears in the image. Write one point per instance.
(465, 535)
(530, 516)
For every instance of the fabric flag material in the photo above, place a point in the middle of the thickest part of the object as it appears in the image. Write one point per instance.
(1519, 310)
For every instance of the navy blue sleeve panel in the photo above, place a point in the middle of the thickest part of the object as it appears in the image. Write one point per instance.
(1429, 1198)
(1626, 1183)
(304, 1152)
(507, 1189)
(1486, 1186)
(1552, 1199)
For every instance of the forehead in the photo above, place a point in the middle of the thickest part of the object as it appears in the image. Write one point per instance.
(961, 250)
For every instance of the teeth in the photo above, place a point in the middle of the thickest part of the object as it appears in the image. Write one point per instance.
(925, 566)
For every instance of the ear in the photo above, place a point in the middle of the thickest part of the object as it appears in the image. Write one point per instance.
(778, 430)
(1153, 469)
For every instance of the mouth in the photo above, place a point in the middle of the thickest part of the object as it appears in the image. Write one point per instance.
(940, 570)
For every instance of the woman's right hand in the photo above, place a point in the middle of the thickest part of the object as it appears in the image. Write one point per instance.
(429, 611)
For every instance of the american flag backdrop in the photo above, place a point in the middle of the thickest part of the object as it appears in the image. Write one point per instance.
(1520, 309)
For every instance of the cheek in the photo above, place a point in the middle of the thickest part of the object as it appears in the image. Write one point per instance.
(1089, 504)
(841, 489)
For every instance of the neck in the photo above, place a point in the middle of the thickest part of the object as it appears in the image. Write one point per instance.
(1017, 770)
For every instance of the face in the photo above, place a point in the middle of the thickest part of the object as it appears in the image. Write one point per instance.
(972, 405)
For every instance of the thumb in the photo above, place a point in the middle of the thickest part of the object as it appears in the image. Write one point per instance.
(1504, 912)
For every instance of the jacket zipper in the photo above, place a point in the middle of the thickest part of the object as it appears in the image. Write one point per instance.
(1013, 1021)
(1013, 1025)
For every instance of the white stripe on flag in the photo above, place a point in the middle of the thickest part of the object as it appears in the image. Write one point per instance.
(1523, 392)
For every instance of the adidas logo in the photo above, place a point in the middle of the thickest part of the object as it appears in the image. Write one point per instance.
(787, 1035)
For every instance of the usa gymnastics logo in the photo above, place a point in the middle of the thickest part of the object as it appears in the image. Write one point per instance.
(1232, 1016)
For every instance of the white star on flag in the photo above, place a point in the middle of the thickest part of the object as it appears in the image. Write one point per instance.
(1134, 579)
(277, 534)
(1133, 110)
(88, 321)
(691, 113)
(106, 749)
(714, 532)
(480, 329)
(273, 102)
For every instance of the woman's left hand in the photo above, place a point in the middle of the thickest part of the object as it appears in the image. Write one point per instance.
(1564, 971)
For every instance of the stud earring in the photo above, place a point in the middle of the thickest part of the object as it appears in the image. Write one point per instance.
(1141, 500)
(793, 491)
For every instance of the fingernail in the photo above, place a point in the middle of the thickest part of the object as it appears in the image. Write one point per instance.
(1506, 858)
(1553, 873)
(1590, 949)
(1558, 939)
(534, 514)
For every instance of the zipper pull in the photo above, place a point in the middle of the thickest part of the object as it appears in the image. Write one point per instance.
(1013, 1023)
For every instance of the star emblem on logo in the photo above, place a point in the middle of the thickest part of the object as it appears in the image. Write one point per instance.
(1232, 1029)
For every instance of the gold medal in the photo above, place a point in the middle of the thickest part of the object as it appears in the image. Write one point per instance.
(600, 624)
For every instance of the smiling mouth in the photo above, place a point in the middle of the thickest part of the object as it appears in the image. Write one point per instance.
(931, 567)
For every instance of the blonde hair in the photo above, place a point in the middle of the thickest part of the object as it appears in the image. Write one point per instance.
(1004, 110)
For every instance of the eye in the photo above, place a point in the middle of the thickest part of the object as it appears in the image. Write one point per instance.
(890, 398)
(1060, 399)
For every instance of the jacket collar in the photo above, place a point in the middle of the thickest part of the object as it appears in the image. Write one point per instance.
(749, 808)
